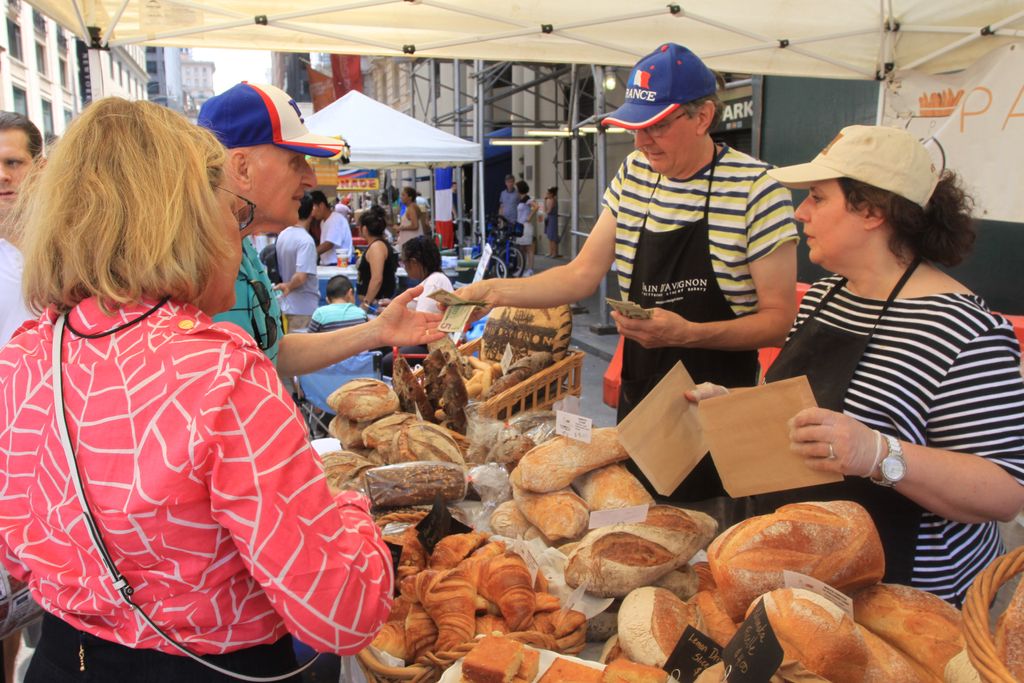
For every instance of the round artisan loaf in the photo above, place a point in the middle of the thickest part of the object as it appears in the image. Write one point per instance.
(381, 432)
(651, 621)
(423, 441)
(348, 432)
(363, 399)
(527, 330)
(922, 627)
(344, 471)
(618, 558)
(835, 542)
(818, 634)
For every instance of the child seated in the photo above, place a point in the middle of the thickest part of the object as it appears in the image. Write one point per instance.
(341, 310)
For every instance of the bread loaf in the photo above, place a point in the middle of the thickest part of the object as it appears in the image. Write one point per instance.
(651, 621)
(611, 650)
(423, 442)
(507, 520)
(415, 483)
(603, 626)
(363, 399)
(381, 432)
(344, 471)
(558, 515)
(705, 580)
(835, 542)
(885, 664)
(719, 625)
(610, 488)
(554, 464)
(527, 330)
(682, 581)
(815, 632)
(922, 627)
(615, 559)
(348, 432)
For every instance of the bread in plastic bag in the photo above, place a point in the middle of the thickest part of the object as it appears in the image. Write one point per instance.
(415, 483)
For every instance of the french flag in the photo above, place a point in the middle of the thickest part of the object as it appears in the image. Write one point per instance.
(444, 221)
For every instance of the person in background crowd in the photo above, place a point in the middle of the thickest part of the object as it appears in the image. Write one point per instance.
(525, 212)
(551, 221)
(422, 261)
(917, 382)
(379, 264)
(336, 233)
(508, 201)
(194, 461)
(340, 310)
(267, 143)
(296, 261)
(409, 224)
(21, 148)
(699, 233)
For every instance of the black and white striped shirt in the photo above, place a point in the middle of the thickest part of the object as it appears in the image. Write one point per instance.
(942, 371)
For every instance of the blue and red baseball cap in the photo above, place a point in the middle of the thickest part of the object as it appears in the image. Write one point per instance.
(250, 114)
(659, 83)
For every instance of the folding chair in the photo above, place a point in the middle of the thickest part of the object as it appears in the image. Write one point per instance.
(313, 389)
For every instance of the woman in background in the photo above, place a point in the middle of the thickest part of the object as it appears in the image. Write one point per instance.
(194, 462)
(409, 225)
(379, 262)
(551, 221)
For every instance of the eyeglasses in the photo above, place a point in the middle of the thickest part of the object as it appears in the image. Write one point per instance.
(661, 128)
(269, 321)
(244, 215)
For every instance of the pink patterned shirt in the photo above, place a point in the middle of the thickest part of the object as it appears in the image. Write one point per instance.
(204, 486)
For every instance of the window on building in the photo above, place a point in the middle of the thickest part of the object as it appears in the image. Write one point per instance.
(120, 74)
(14, 39)
(111, 66)
(20, 100)
(39, 21)
(62, 64)
(47, 119)
(68, 115)
(41, 59)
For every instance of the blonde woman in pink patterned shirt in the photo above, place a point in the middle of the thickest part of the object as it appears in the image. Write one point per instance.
(193, 460)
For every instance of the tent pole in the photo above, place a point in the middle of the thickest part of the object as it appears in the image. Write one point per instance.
(478, 176)
(604, 324)
(460, 188)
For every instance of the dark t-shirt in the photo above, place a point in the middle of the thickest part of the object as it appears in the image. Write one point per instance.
(388, 285)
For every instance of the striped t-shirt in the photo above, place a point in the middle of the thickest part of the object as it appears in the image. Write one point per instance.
(942, 371)
(750, 215)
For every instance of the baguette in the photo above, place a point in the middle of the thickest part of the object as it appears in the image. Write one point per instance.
(835, 542)
(555, 463)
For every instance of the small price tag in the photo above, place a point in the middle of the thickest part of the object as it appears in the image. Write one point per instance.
(573, 599)
(573, 426)
(523, 550)
(481, 267)
(692, 654)
(754, 654)
(630, 515)
(507, 359)
(838, 598)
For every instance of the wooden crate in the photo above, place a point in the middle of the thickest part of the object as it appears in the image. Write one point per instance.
(540, 392)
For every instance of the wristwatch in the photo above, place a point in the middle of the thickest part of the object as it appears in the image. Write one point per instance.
(893, 466)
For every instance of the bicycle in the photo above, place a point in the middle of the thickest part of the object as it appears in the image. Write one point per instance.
(507, 259)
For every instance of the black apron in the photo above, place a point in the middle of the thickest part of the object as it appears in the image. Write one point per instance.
(829, 357)
(673, 270)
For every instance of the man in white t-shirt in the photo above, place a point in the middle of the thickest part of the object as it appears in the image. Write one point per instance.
(21, 146)
(296, 261)
(335, 233)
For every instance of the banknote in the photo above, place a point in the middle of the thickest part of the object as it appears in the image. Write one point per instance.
(630, 309)
(455, 317)
(446, 298)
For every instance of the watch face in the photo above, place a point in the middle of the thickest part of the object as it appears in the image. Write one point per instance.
(893, 469)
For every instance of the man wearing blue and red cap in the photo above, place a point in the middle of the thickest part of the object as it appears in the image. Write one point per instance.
(267, 143)
(696, 230)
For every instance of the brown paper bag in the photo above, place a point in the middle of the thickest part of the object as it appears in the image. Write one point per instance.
(748, 435)
(663, 434)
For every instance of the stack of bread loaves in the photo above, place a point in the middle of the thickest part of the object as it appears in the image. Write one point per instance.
(895, 633)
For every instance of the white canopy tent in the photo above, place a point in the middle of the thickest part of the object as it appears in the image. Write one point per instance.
(407, 142)
(823, 38)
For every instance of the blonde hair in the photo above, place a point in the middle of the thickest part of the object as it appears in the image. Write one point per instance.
(123, 209)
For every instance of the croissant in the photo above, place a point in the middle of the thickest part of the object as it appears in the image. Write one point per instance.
(492, 549)
(505, 581)
(487, 624)
(450, 600)
(453, 549)
(414, 555)
(400, 609)
(391, 639)
(420, 633)
(546, 602)
(569, 629)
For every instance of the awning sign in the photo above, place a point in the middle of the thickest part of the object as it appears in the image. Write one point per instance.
(358, 179)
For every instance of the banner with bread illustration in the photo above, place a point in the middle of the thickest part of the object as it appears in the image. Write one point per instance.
(972, 122)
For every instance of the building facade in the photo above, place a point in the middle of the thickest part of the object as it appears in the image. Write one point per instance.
(163, 64)
(196, 83)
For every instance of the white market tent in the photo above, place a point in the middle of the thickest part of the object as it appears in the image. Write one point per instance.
(407, 142)
(823, 38)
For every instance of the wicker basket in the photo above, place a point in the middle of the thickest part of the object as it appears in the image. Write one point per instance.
(553, 383)
(430, 666)
(981, 648)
